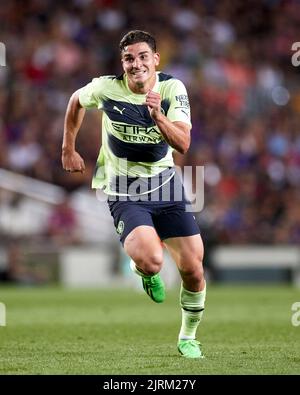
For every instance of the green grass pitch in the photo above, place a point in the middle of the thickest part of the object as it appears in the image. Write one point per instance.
(245, 330)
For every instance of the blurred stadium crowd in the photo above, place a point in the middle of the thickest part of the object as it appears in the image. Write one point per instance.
(233, 56)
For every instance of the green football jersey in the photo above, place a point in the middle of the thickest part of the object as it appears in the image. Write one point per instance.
(132, 145)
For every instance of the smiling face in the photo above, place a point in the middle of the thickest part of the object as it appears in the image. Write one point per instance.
(139, 64)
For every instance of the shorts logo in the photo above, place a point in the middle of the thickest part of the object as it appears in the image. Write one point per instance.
(120, 227)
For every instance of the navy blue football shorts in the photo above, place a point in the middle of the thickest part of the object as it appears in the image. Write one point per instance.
(163, 209)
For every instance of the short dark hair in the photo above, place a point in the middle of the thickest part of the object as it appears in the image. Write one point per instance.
(138, 36)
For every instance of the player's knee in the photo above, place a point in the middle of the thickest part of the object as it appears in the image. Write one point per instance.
(194, 270)
(199, 274)
(153, 262)
(150, 263)
(194, 274)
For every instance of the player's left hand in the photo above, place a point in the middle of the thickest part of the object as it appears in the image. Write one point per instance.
(153, 101)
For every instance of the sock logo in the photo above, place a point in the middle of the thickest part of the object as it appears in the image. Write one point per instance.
(195, 319)
(120, 227)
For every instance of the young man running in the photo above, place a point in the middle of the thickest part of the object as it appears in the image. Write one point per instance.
(146, 116)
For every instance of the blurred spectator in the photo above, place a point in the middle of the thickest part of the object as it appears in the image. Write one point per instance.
(62, 225)
(17, 271)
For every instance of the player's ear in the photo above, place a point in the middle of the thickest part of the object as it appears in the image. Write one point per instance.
(122, 63)
(156, 58)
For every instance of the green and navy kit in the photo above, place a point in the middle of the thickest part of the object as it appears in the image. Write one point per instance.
(132, 145)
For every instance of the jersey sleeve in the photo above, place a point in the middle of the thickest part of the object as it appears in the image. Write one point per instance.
(91, 95)
(179, 109)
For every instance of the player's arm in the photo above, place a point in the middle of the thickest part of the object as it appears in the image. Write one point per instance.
(177, 134)
(71, 160)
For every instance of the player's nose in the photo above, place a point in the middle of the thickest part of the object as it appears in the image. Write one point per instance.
(136, 63)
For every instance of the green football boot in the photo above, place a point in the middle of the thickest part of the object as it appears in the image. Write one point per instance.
(190, 348)
(155, 287)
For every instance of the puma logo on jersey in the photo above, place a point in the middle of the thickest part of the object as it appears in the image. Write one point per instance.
(117, 109)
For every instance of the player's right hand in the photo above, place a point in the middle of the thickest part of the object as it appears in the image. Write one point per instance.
(72, 162)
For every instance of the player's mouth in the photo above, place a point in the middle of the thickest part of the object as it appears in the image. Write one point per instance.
(138, 73)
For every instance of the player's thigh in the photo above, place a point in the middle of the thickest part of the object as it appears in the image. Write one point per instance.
(133, 222)
(187, 252)
(127, 216)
